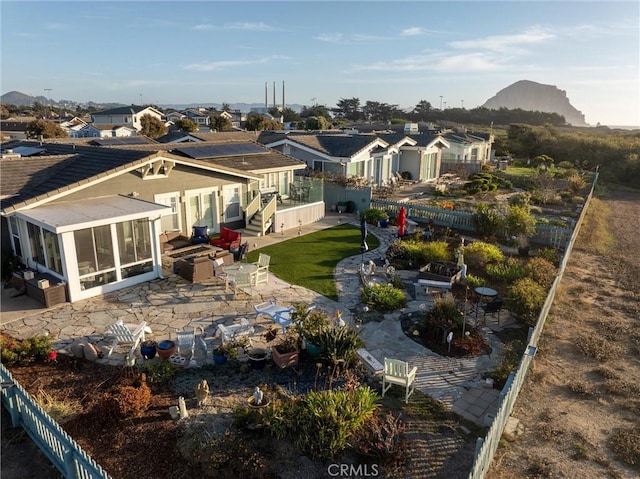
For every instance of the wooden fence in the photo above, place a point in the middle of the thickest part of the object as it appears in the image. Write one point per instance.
(487, 446)
(46, 433)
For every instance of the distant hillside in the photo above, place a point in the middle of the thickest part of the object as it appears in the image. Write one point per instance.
(532, 96)
(18, 99)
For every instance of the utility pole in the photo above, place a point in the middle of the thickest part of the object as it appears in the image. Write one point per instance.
(440, 102)
(48, 104)
(140, 99)
(462, 103)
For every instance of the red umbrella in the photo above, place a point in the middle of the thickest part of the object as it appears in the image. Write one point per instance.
(402, 221)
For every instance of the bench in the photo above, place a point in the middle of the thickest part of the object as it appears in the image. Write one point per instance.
(233, 331)
(372, 363)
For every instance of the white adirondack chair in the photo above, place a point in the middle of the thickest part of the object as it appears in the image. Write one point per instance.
(262, 274)
(123, 334)
(397, 372)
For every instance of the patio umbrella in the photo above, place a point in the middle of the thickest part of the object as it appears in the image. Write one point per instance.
(402, 221)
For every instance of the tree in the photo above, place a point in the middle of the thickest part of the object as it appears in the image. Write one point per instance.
(422, 110)
(187, 125)
(4, 112)
(315, 110)
(289, 114)
(220, 123)
(45, 129)
(152, 126)
(544, 161)
(257, 122)
(348, 108)
(316, 123)
(226, 107)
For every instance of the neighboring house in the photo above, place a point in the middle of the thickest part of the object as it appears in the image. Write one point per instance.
(468, 150)
(92, 216)
(419, 155)
(375, 157)
(126, 115)
(107, 130)
(200, 116)
(179, 136)
(13, 130)
(174, 116)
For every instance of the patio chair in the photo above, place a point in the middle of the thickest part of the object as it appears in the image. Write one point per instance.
(280, 314)
(240, 281)
(492, 307)
(262, 274)
(124, 334)
(397, 372)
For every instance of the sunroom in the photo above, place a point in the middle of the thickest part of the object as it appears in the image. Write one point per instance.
(95, 246)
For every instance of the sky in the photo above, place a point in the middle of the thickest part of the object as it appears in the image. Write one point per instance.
(451, 54)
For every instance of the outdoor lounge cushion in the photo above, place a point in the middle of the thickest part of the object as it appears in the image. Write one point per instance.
(228, 238)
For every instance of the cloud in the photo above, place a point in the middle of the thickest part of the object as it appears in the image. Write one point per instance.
(56, 26)
(256, 27)
(440, 62)
(330, 37)
(505, 43)
(412, 31)
(205, 66)
(203, 27)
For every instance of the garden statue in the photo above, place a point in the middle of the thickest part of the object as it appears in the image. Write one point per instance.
(182, 408)
(257, 397)
(202, 392)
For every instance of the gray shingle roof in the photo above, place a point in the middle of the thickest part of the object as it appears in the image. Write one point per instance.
(336, 145)
(122, 110)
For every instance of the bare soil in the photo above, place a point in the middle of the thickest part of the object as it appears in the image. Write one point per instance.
(581, 399)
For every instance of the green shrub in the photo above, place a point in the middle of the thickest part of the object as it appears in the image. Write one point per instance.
(381, 437)
(526, 299)
(541, 271)
(550, 254)
(159, 372)
(511, 356)
(417, 252)
(520, 199)
(322, 423)
(26, 351)
(488, 220)
(519, 221)
(383, 297)
(479, 254)
(474, 281)
(565, 165)
(373, 215)
(337, 344)
(508, 271)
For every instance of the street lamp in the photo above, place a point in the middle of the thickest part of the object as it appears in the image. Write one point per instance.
(440, 102)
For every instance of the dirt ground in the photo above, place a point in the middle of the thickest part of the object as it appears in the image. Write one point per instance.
(579, 411)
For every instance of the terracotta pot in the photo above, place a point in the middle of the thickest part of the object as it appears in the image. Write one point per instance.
(283, 360)
(166, 349)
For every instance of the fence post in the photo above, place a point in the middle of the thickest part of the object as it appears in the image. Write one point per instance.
(69, 465)
(13, 405)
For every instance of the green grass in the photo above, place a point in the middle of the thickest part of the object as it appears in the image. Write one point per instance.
(310, 260)
(520, 171)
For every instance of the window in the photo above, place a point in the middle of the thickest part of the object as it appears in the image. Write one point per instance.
(35, 242)
(15, 233)
(202, 209)
(134, 246)
(52, 250)
(232, 209)
(94, 249)
(170, 222)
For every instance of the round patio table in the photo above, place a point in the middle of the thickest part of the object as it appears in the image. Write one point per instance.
(235, 268)
(484, 291)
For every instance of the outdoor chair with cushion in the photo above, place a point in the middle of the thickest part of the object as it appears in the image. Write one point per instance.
(397, 372)
(228, 239)
(200, 235)
(126, 334)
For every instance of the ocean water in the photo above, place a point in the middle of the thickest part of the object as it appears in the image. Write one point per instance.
(624, 127)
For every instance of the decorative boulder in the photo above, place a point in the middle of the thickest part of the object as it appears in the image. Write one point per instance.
(77, 348)
(90, 352)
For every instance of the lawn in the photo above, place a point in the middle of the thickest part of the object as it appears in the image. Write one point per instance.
(310, 260)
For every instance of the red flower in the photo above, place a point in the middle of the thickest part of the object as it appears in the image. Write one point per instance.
(52, 356)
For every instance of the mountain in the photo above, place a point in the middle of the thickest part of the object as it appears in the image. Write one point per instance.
(532, 96)
(17, 98)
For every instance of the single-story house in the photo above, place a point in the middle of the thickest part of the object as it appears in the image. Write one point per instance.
(92, 216)
(125, 115)
(467, 150)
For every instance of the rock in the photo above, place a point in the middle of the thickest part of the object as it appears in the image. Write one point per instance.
(77, 348)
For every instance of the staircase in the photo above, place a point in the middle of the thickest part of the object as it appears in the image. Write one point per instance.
(256, 225)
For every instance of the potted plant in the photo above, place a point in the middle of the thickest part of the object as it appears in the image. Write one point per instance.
(229, 350)
(166, 348)
(310, 322)
(257, 358)
(287, 351)
(148, 349)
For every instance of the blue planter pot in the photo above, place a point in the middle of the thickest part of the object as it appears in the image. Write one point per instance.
(384, 223)
(219, 359)
(148, 352)
(312, 350)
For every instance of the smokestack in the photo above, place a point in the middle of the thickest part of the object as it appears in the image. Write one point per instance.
(266, 97)
(283, 104)
(275, 104)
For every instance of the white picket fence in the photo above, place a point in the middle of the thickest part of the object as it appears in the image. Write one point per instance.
(63, 452)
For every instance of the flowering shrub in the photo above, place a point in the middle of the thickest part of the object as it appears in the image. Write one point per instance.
(480, 253)
(383, 297)
(26, 351)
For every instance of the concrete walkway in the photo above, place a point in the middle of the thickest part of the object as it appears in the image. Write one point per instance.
(172, 304)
